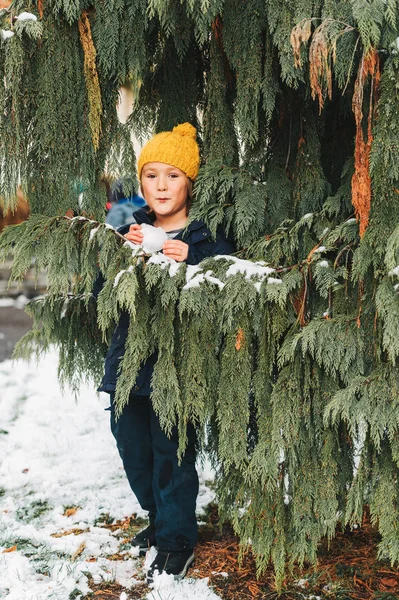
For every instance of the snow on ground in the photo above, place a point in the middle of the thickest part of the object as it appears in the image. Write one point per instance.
(19, 302)
(58, 454)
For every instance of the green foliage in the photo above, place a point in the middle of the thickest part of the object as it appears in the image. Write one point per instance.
(285, 354)
(369, 15)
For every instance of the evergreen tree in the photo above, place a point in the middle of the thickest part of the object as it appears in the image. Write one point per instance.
(286, 352)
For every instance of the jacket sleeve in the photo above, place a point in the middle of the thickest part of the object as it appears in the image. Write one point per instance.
(206, 248)
(98, 285)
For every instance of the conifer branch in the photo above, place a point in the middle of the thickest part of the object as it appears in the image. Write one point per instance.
(288, 400)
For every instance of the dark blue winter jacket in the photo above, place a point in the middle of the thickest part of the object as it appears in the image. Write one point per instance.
(201, 245)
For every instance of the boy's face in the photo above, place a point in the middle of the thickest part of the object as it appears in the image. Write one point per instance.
(165, 189)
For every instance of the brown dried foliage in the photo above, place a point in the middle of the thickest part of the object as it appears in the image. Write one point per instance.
(361, 182)
(300, 35)
(66, 532)
(322, 53)
(217, 29)
(298, 302)
(239, 339)
(10, 549)
(40, 8)
(347, 568)
(72, 510)
(320, 63)
(91, 76)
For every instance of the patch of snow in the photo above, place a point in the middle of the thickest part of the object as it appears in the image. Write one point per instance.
(93, 232)
(19, 302)
(187, 589)
(119, 275)
(246, 267)
(320, 249)
(58, 453)
(6, 34)
(209, 277)
(160, 259)
(26, 16)
(82, 218)
(195, 281)
(174, 268)
(130, 244)
(201, 278)
(149, 558)
(191, 271)
(323, 263)
(273, 280)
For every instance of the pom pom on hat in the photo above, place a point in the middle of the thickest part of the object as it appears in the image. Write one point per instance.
(185, 129)
(178, 148)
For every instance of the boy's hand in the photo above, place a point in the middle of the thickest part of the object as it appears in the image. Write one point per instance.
(135, 234)
(175, 249)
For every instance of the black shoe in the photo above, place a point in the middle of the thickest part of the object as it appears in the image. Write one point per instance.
(172, 563)
(144, 539)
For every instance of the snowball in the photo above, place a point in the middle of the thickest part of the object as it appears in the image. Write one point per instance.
(26, 16)
(154, 238)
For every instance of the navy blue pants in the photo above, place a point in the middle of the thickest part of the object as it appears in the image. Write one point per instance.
(167, 490)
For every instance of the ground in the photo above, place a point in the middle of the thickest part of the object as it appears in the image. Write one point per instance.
(67, 514)
(14, 322)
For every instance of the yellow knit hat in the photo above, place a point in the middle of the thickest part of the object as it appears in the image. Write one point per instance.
(178, 148)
